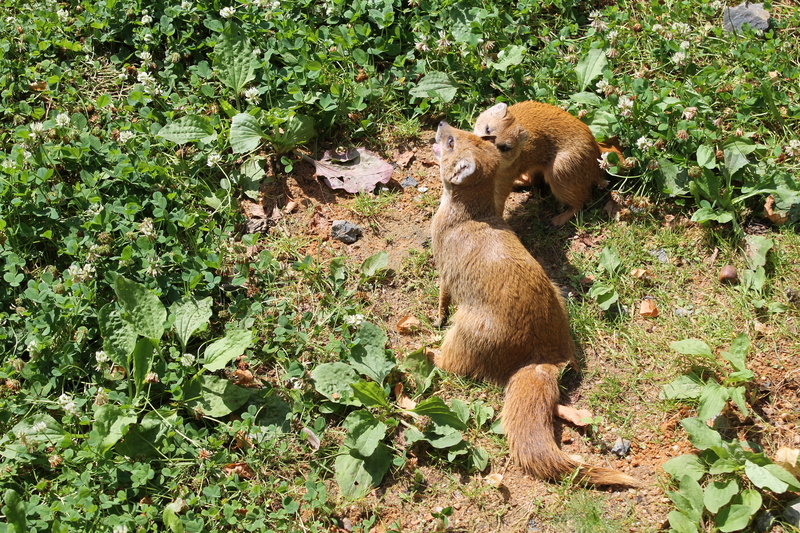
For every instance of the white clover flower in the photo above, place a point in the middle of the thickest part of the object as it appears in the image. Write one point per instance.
(39, 427)
(793, 148)
(679, 58)
(92, 255)
(227, 12)
(125, 136)
(147, 229)
(252, 96)
(595, 13)
(443, 43)
(94, 209)
(689, 113)
(605, 164)
(612, 35)
(599, 25)
(146, 19)
(186, 5)
(213, 158)
(276, 4)
(63, 15)
(36, 129)
(187, 359)
(26, 154)
(602, 85)
(153, 270)
(681, 28)
(422, 46)
(644, 144)
(8, 164)
(717, 4)
(256, 51)
(354, 320)
(145, 78)
(101, 356)
(145, 55)
(120, 528)
(658, 28)
(62, 120)
(68, 405)
(626, 105)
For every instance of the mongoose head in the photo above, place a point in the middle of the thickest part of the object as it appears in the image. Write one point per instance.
(499, 126)
(464, 158)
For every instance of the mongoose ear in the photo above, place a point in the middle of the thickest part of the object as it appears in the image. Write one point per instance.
(500, 109)
(463, 169)
(522, 135)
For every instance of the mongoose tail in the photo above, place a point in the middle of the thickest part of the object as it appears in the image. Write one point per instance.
(531, 398)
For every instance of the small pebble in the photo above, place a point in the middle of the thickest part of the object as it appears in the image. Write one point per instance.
(621, 447)
(408, 181)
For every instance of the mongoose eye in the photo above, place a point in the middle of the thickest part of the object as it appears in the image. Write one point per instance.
(504, 147)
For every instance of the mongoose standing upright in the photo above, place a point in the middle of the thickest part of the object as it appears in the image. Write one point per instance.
(560, 149)
(511, 324)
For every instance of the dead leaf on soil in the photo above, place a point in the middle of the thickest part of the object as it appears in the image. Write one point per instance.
(582, 242)
(776, 217)
(574, 416)
(244, 378)
(642, 273)
(354, 171)
(788, 459)
(319, 224)
(403, 401)
(404, 159)
(613, 210)
(240, 469)
(312, 438)
(494, 480)
(408, 324)
(648, 308)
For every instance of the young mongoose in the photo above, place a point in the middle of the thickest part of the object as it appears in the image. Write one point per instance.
(560, 149)
(510, 326)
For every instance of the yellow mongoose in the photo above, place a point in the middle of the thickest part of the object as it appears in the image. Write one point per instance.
(511, 324)
(560, 149)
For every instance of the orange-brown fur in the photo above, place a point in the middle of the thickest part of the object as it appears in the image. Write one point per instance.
(560, 150)
(511, 323)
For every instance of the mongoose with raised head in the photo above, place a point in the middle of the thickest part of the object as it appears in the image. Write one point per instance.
(559, 148)
(510, 326)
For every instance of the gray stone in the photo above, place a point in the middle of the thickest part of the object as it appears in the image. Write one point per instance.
(746, 13)
(345, 231)
(791, 514)
(408, 181)
(682, 311)
(660, 254)
(621, 447)
(257, 225)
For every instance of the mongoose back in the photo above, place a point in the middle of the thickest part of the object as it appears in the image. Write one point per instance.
(510, 326)
(560, 149)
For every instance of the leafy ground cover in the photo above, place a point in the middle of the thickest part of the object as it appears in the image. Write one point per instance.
(167, 367)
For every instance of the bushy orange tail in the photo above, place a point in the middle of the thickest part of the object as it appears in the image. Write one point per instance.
(530, 404)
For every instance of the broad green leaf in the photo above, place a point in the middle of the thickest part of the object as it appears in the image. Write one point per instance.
(172, 520)
(15, 511)
(510, 56)
(111, 422)
(370, 394)
(438, 411)
(190, 315)
(222, 351)
(482, 412)
(681, 523)
(214, 397)
(770, 476)
(249, 176)
(690, 489)
(734, 160)
(39, 428)
(146, 437)
(758, 247)
(297, 130)
(749, 497)
(233, 60)
(702, 436)
(187, 129)
(370, 356)
(421, 369)
(587, 98)
(719, 493)
(246, 133)
(412, 435)
(674, 178)
(737, 395)
(712, 400)
(687, 386)
(479, 458)
(724, 465)
(333, 381)
(443, 436)
(374, 264)
(706, 214)
(685, 465)
(143, 355)
(610, 260)
(364, 432)
(436, 83)
(692, 347)
(706, 156)
(356, 475)
(590, 66)
(738, 352)
(754, 280)
(461, 409)
(733, 518)
(142, 308)
(119, 336)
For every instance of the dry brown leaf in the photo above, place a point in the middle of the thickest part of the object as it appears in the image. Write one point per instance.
(787, 458)
(39, 85)
(574, 416)
(312, 439)
(648, 308)
(243, 378)
(290, 207)
(495, 480)
(642, 273)
(408, 324)
(404, 159)
(402, 400)
(319, 224)
(776, 217)
(240, 469)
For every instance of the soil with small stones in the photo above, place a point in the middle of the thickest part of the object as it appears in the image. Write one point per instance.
(502, 499)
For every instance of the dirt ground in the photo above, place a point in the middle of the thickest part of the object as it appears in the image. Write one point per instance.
(501, 499)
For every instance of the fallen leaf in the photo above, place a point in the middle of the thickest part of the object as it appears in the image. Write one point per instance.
(408, 324)
(243, 378)
(495, 480)
(588, 280)
(582, 242)
(648, 308)
(642, 273)
(319, 224)
(574, 416)
(312, 438)
(776, 217)
(404, 159)
(240, 469)
(355, 171)
(402, 400)
(613, 210)
(290, 207)
(40, 85)
(787, 458)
